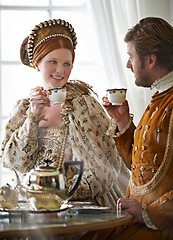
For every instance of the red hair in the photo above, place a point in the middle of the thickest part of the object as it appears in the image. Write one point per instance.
(50, 45)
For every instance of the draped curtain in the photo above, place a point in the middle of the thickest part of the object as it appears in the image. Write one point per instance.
(112, 19)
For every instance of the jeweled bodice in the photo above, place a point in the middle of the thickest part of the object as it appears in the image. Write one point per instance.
(50, 141)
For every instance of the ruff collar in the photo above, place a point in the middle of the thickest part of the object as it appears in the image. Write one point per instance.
(163, 83)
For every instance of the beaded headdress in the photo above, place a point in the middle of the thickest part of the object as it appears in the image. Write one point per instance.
(43, 32)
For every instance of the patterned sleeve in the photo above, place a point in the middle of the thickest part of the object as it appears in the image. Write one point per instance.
(91, 144)
(20, 143)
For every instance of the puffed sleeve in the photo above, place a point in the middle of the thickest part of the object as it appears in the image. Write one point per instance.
(103, 167)
(20, 142)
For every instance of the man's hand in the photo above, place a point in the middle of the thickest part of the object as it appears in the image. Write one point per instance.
(119, 113)
(132, 206)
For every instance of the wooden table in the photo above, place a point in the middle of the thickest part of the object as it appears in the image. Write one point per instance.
(29, 225)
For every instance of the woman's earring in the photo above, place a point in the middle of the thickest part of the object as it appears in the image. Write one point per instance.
(36, 66)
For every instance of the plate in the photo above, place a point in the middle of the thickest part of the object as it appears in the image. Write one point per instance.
(90, 209)
(24, 207)
(78, 203)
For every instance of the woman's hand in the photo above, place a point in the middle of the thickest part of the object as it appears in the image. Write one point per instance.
(119, 113)
(39, 100)
(132, 206)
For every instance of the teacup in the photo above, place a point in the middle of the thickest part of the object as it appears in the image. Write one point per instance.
(57, 95)
(116, 96)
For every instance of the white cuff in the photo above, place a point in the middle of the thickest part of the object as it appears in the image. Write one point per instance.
(146, 218)
(113, 128)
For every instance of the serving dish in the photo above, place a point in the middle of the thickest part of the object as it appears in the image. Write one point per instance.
(24, 208)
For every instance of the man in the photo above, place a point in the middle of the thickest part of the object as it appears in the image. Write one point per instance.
(148, 152)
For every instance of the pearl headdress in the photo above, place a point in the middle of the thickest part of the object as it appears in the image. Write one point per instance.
(49, 29)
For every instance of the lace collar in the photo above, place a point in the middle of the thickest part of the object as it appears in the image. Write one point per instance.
(75, 88)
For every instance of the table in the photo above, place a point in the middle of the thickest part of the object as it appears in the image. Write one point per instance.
(69, 220)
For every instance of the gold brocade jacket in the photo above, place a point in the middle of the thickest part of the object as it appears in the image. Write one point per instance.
(105, 175)
(149, 155)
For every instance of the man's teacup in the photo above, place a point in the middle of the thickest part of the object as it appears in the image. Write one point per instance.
(57, 95)
(116, 96)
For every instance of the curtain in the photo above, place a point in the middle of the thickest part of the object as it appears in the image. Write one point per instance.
(112, 19)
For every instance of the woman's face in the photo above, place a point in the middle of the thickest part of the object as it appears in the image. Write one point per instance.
(55, 68)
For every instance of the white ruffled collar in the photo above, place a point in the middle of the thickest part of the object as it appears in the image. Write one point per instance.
(163, 83)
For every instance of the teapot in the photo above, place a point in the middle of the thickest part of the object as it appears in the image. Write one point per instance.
(47, 187)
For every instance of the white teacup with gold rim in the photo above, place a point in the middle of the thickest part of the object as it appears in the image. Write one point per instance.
(116, 96)
(57, 95)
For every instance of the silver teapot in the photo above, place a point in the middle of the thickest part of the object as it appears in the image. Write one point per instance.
(47, 187)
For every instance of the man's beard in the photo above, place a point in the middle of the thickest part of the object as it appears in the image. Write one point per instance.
(143, 80)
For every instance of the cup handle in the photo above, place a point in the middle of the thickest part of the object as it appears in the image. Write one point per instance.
(80, 172)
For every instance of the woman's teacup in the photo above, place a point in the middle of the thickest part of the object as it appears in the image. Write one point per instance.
(116, 96)
(57, 95)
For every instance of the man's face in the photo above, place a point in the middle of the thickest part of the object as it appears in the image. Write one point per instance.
(140, 69)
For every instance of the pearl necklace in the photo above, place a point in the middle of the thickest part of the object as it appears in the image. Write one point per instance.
(63, 148)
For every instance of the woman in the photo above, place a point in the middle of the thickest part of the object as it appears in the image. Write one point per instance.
(74, 131)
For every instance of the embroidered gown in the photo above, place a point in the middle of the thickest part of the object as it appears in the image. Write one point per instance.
(25, 144)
